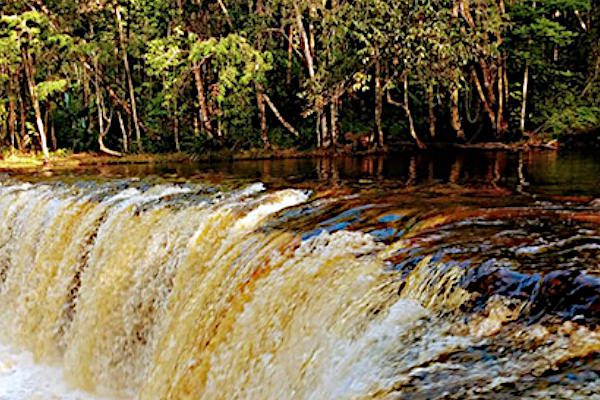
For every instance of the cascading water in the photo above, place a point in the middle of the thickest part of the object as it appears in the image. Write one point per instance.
(170, 291)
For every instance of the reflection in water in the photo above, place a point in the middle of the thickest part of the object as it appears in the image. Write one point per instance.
(327, 170)
(566, 174)
(537, 172)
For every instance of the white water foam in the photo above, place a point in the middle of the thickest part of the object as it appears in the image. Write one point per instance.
(23, 379)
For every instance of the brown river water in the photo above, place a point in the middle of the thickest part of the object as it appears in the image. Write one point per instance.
(449, 275)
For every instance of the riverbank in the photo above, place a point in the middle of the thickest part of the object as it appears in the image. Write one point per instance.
(74, 160)
(68, 160)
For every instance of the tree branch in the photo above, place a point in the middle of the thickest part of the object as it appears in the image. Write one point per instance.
(279, 117)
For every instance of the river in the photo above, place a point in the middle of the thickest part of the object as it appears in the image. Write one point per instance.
(444, 275)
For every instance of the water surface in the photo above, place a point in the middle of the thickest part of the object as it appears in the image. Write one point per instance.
(415, 276)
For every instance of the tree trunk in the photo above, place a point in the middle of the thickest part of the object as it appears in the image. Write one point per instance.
(202, 100)
(39, 123)
(378, 104)
(53, 136)
(226, 13)
(311, 68)
(115, 97)
(288, 72)
(500, 103)
(260, 99)
(500, 126)
(406, 108)
(103, 133)
(138, 136)
(101, 116)
(196, 126)
(455, 121)
(333, 111)
(176, 126)
(486, 100)
(28, 64)
(325, 130)
(100, 107)
(524, 101)
(506, 87)
(23, 141)
(431, 106)
(49, 123)
(306, 44)
(318, 129)
(124, 132)
(489, 77)
(413, 132)
(12, 111)
(263, 117)
(129, 126)
(278, 115)
(176, 134)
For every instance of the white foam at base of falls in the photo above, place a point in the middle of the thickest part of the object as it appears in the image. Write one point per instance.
(23, 379)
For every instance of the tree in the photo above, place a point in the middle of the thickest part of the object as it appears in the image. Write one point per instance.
(42, 58)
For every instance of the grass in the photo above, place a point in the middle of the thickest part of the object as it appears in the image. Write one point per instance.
(12, 160)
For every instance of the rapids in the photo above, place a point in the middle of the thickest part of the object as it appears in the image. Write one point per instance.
(123, 288)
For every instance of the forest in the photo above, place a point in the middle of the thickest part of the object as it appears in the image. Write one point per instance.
(160, 76)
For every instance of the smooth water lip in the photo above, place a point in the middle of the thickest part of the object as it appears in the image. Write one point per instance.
(23, 379)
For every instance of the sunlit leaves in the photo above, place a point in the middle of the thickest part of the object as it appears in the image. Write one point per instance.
(235, 60)
(48, 88)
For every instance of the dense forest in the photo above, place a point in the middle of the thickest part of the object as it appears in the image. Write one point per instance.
(122, 76)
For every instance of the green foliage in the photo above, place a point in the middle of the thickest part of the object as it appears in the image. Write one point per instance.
(235, 62)
(95, 60)
(574, 119)
(552, 38)
(48, 88)
(566, 113)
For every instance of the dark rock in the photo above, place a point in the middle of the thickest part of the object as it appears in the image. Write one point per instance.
(570, 295)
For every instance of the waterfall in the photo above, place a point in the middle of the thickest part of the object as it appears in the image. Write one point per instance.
(189, 292)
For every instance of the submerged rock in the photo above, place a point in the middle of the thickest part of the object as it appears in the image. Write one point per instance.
(566, 294)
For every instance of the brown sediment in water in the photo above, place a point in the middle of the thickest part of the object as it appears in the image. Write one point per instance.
(160, 289)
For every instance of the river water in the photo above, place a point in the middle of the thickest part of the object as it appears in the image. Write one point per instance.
(415, 276)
